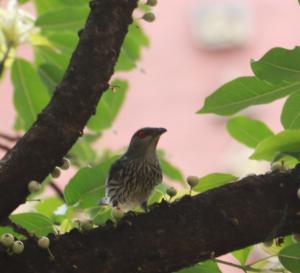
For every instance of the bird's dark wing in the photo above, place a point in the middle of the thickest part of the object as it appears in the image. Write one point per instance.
(116, 168)
(115, 181)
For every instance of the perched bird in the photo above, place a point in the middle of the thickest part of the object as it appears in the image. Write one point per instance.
(133, 176)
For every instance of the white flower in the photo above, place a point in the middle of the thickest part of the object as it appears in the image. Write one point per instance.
(16, 25)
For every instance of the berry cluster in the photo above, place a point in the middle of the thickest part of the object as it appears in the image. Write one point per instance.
(12, 246)
(150, 16)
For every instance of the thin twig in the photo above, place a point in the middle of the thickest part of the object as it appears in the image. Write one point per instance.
(57, 190)
(9, 137)
(248, 268)
(2, 63)
(21, 230)
(4, 147)
(262, 259)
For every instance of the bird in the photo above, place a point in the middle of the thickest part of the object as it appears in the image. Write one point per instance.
(132, 177)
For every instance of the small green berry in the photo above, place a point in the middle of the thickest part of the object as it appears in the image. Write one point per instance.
(56, 172)
(44, 242)
(34, 186)
(171, 192)
(65, 164)
(86, 224)
(278, 166)
(192, 181)
(151, 3)
(149, 17)
(7, 239)
(17, 247)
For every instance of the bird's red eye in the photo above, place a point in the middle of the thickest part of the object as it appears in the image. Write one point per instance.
(141, 134)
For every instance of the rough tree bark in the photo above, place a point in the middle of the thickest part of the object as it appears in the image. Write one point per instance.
(177, 235)
(74, 101)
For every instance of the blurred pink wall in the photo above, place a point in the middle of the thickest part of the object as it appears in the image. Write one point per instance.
(179, 75)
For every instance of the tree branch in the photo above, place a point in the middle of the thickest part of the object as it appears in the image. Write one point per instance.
(9, 138)
(57, 190)
(177, 235)
(4, 147)
(74, 101)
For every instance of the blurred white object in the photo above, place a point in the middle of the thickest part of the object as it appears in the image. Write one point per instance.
(238, 163)
(15, 24)
(221, 25)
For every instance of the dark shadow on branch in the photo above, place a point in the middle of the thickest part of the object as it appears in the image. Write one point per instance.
(177, 235)
(74, 101)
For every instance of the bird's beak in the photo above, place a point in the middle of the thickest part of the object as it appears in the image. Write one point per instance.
(160, 131)
(156, 134)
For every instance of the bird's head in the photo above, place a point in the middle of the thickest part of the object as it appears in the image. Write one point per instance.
(143, 143)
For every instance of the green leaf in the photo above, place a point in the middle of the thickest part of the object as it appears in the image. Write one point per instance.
(87, 187)
(48, 206)
(53, 62)
(30, 95)
(248, 131)
(213, 180)
(35, 223)
(45, 55)
(19, 124)
(290, 258)
(155, 197)
(63, 215)
(278, 65)
(64, 42)
(130, 53)
(75, 2)
(203, 267)
(82, 153)
(10, 230)
(290, 115)
(275, 248)
(44, 6)
(64, 19)
(22, 1)
(244, 92)
(100, 215)
(108, 107)
(36, 39)
(287, 142)
(242, 254)
(169, 170)
(51, 75)
(288, 160)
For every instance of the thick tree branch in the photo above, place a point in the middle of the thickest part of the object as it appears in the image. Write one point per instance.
(173, 236)
(74, 101)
